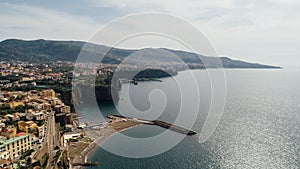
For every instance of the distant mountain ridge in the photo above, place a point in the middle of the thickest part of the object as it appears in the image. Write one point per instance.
(49, 50)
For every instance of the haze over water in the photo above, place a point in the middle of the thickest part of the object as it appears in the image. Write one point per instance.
(259, 128)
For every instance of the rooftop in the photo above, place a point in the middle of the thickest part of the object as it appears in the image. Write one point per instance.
(9, 141)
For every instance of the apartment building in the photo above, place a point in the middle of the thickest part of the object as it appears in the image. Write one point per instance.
(16, 146)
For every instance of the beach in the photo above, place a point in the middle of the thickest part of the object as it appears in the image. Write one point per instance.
(96, 137)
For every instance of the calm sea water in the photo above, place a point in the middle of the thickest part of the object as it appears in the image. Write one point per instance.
(260, 126)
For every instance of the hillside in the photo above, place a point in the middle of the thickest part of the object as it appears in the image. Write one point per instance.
(47, 50)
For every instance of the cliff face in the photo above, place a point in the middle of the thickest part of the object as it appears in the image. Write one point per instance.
(66, 96)
(105, 93)
(85, 93)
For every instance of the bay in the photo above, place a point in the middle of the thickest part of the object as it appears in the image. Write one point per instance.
(259, 127)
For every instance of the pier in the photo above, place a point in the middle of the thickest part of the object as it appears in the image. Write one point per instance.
(173, 127)
(159, 123)
(86, 164)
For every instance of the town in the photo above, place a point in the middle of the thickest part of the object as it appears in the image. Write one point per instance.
(39, 127)
(37, 120)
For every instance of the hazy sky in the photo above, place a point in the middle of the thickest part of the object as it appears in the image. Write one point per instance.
(264, 31)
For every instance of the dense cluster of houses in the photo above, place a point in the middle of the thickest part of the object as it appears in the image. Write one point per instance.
(24, 114)
(23, 126)
(27, 73)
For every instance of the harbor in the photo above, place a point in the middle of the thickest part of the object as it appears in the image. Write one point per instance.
(94, 134)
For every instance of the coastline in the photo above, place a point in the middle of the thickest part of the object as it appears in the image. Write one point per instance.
(99, 137)
(93, 146)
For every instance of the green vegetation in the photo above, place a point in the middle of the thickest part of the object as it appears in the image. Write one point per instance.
(73, 140)
(44, 51)
(14, 123)
(10, 78)
(40, 122)
(27, 153)
(22, 88)
(155, 73)
(57, 155)
(58, 69)
(45, 159)
(5, 111)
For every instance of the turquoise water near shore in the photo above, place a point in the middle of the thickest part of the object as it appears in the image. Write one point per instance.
(260, 127)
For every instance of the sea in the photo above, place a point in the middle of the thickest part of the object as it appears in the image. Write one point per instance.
(258, 128)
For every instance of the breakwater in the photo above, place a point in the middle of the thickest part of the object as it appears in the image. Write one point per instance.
(157, 123)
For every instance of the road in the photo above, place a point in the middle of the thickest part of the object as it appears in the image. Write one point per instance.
(51, 139)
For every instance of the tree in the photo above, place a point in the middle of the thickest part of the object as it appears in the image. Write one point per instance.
(29, 160)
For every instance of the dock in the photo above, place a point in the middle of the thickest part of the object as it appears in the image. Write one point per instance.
(86, 164)
(159, 123)
(174, 127)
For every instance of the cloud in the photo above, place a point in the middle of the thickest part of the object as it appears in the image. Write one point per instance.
(29, 22)
(176, 7)
(245, 29)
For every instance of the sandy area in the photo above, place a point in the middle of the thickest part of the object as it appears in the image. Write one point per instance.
(84, 147)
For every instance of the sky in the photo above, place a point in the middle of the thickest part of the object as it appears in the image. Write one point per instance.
(263, 31)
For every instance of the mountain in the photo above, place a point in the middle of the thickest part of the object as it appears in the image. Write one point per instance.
(45, 50)
(48, 50)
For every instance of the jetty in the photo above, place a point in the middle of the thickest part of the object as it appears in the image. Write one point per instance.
(86, 164)
(159, 123)
(174, 127)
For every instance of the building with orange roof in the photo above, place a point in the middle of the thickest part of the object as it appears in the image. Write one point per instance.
(28, 127)
(9, 131)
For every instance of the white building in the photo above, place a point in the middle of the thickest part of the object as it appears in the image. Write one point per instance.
(70, 136)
